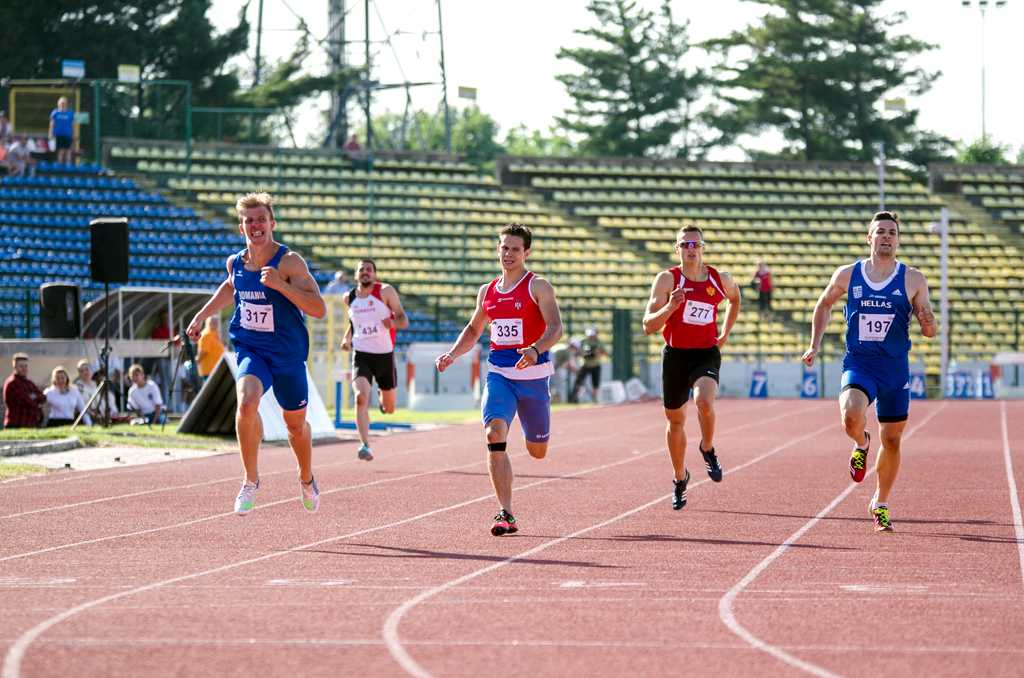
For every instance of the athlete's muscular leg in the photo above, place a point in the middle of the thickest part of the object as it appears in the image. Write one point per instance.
(853, 405)
(248, 425)
(888, 464)
(675, 439)
(361, 388)
(498, 465)
(704, 391)
(388, 399)
(300, 437)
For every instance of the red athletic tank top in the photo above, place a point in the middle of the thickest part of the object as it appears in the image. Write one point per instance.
(695, 323)
(516, 320)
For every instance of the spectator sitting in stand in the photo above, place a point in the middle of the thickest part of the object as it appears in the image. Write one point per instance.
(64, 400)
(352, 146)
(6, 129)
(23, 401)
(144, 396)
(20, 162)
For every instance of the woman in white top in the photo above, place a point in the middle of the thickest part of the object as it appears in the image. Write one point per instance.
(64, 401)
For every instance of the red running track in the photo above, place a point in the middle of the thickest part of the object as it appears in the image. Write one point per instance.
(775, 571)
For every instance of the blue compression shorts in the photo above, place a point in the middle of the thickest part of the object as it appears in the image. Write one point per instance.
(886, 382)
(505, 397)
(288, 378)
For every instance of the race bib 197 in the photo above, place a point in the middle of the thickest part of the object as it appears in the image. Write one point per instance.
(698, 313)
(507, 331)
(257, 317)
(874, 326)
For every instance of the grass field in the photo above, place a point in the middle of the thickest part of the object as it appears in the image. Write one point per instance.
(120, 435)
(12, 469)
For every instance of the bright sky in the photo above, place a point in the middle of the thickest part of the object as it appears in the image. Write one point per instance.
(507, 51)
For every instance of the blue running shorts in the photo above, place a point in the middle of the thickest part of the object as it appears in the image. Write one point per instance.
(505, 397)
(288, 378)
(886, 382)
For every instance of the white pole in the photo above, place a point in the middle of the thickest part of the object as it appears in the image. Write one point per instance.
(944, 297)
(881, 176)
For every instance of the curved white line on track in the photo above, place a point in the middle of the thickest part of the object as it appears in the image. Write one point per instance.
(16, 653)
(1018, 524)
(390, 628)
(725, 612)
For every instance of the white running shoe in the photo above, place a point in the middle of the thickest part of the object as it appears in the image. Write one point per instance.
(364, 453)
(246, 498)
(310, 495)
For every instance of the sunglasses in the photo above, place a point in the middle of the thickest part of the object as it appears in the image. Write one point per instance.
(690, 244)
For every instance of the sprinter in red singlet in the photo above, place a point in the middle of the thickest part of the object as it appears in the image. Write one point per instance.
(525, 323)
(684, 306)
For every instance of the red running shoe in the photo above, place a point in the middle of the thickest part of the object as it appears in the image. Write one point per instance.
(504, 523)
(859, 460)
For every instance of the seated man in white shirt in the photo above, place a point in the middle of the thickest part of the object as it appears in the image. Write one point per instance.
(144, 396)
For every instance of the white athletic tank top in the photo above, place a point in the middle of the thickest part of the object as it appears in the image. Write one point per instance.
(368, 332)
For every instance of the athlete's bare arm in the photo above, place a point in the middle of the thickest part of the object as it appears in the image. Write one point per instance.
(544, 293)
(224, 295)
(918, 291)
(732, 295)
(470, 334)
(390, 296)
(835, 289)
(663, 302)
(292, 279)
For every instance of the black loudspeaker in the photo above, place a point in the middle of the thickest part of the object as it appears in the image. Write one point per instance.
(108, 262)
(59, 314)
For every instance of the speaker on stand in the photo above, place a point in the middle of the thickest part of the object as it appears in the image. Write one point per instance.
(108, 262)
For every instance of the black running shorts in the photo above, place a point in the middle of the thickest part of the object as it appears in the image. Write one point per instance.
(681, 368)
(376, 366)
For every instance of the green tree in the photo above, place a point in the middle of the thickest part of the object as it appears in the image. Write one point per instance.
(474, 133)
(631, 93)
(817, 71)
(523, 141)
(983, 151)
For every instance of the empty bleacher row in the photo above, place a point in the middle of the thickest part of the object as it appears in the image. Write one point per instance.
(998, 189)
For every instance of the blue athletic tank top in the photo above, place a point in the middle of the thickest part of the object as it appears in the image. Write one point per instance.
(878, 315)
(265, 320)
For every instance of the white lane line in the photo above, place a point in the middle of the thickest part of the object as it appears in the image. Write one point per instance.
(725, 612)
(390, 628)
(54, 479)
(138, 533)
(16, 653)
(234, 478)
(196, 521)
(1018, 524)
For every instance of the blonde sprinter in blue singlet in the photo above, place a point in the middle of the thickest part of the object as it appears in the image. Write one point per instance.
(272, 289)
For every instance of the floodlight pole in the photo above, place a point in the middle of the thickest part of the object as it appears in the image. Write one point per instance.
(444, 86)
(881, 175)
(982, 6)
(944, 299)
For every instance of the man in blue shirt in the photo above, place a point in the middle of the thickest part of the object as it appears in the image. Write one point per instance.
(62, 130)
(883, 295)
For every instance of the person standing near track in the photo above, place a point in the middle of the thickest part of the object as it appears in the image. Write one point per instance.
(882, 294)
(272, 289)
(375, 312)
(525, 323)
(684, 306)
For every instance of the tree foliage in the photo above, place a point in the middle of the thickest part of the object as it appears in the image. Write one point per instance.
(984, 151)
(818, 71)
(631, 94)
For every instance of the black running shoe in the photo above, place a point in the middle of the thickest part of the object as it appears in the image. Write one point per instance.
(679, 493)
(711, 461)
